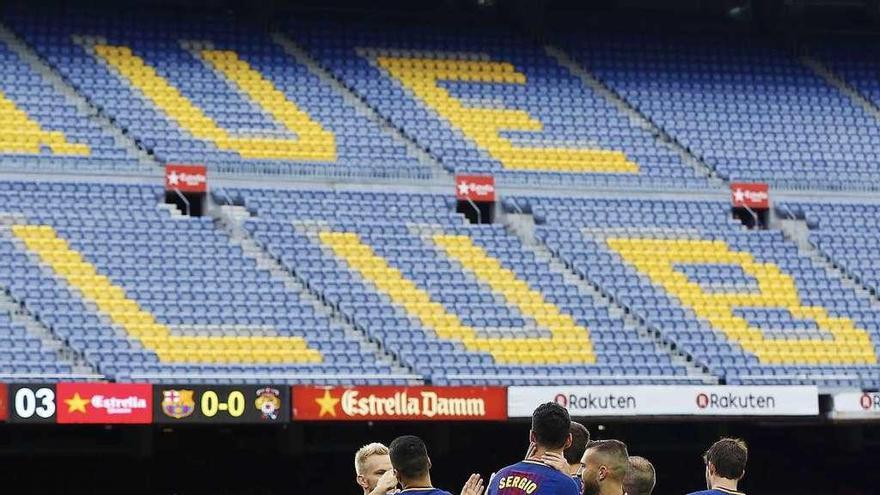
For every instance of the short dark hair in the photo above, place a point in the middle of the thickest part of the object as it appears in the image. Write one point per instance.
(580, 437)
(550, 424)
(729, 456)
(409, 456)
(614, 454)
(640, 477)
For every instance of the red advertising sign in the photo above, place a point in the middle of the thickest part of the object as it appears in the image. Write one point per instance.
(4, 402)
(751, 194)
(390, 403)
(104, 403)
(186, 178)
(475, 187)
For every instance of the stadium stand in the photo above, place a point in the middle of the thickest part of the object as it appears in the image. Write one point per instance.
(209, 92)
(748, 109)
(23, 354)
(492, 103)
(41, 129)
(744, 304)
(847, 234)
(144, 294)
(457, 303)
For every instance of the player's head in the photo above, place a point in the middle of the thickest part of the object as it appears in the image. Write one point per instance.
(550, 426)
(580, 437)
(726, 459)
(605, 464)
(409, 457)
(370, 463)
(640, 477)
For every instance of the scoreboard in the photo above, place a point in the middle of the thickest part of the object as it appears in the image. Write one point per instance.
(135, 403)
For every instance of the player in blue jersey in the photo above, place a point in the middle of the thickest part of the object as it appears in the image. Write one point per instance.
(574, 454)
(571, 461)
(412, 468)
(549, 434)
(725, 466)
(606, 463)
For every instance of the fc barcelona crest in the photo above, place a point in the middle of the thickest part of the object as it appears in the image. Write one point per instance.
(178, 404)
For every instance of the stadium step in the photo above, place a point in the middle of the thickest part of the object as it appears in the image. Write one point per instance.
(362, 107)
(230, 219)
(522, 226)
(832, 79)
(45, 69)
(798, 232)
(636, 117)
(20, 314)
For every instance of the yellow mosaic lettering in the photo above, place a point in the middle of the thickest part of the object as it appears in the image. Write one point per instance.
(657, 259)
(313, 142)
(484, 125)
(568, 343)
(142, 325)
(21, 134)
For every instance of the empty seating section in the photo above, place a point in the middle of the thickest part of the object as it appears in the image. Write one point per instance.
(491, 103)
(855, 61)
(454, 302)
(743, 304)
(748, 109)
(144, 294)
(23, 354)
(847, 234)
(209, 92)
(41, 128)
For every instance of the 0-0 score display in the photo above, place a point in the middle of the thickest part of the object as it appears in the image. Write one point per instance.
(231, 404)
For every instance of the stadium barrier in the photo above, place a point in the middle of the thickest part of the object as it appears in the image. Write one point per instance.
(141, 403)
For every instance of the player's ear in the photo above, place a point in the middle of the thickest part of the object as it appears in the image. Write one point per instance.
(742, 475)
(567, 442)
(362, 482)
(429, 463)
(532, 436)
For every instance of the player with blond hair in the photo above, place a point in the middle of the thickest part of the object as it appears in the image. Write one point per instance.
(372, 465)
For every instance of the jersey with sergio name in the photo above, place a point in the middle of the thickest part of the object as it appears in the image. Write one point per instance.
(532, 478)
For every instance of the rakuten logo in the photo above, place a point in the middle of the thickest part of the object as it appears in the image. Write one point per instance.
(588, 402)
(731, 400)
(116, 405)
(870, 402)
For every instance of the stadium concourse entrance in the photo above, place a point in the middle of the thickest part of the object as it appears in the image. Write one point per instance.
(317, 458)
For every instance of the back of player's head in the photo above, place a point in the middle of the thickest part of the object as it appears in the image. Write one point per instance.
(580, 437)
(365, 452)
(729, 456)
(550, 425)
(640, 477)
(612, 454)
(409, 457)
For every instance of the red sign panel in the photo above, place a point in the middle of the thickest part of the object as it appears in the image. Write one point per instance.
(390, 403)
(475, 187)
(104, 403)
(751, 194)
(186, 178)
(4, 402)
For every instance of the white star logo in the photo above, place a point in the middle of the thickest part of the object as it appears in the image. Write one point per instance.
(739, 195)
(464, 188)
(173, 179)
